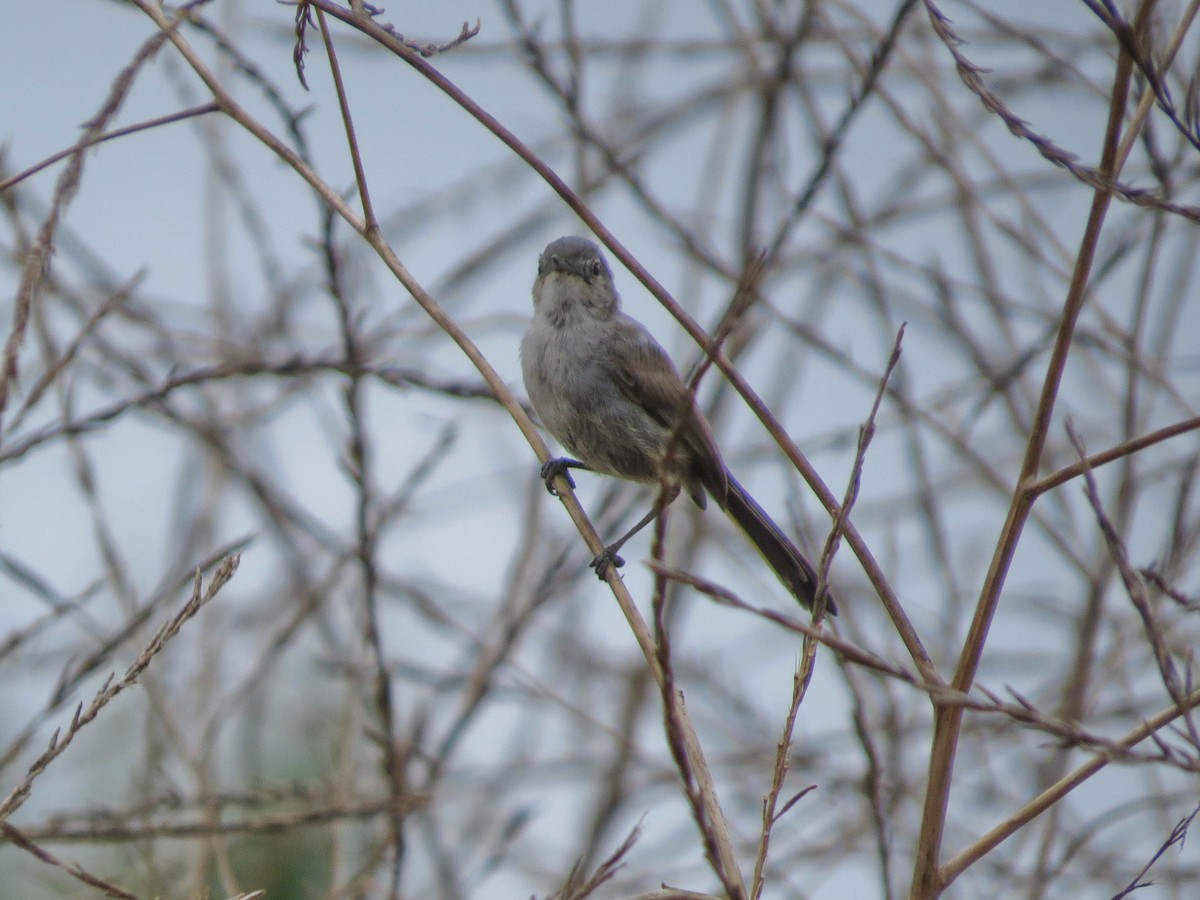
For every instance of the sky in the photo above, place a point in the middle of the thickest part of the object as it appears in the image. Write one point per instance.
(219, 241)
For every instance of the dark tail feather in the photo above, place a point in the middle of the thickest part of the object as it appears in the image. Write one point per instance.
(797, 575)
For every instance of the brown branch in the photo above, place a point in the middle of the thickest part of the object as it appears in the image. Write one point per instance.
(1103, 179)
(1065, 785)
(109, 690)
(1120, 451)
(282, 823)
(1135, 588)
(37, 257)
(948, 721)
(91, 140)
(17, 839)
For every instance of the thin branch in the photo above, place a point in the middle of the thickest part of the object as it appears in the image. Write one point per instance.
(91, 140)
(1120, 451)
(75, 870)
(1176, 837)
(360, 178)
(109, 690)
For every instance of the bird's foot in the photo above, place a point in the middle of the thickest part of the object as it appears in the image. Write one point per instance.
(608, 557)
(560, 465)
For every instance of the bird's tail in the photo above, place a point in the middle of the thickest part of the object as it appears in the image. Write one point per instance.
(796, 573)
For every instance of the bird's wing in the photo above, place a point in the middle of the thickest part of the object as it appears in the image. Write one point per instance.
(645, 374)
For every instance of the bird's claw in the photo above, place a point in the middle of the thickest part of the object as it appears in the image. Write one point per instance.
(604, 560)
(552, 468)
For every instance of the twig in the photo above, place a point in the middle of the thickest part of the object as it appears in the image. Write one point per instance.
(20, 793)
(73, 869)
(1134, 587)
(577, 888)
(1177, 835)
(91, 140)
(37, 257)
(865, 434)
(360, 177)
(1120, 451)
(1102, 179)
(804, 674)
(1047, 798)
(315, 816)
(699, 787)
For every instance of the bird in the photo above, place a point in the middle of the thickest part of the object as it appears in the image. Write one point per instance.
(610, 394)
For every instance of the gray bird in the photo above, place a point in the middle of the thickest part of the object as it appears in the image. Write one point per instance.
(610, 394)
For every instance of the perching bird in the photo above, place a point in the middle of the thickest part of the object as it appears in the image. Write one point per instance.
(610, 394)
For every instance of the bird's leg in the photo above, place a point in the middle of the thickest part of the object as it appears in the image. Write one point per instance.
(559, 466)
(608, 556)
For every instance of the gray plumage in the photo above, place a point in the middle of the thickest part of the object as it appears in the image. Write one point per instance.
(610, 394)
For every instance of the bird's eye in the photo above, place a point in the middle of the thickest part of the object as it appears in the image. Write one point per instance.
(597, 268)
